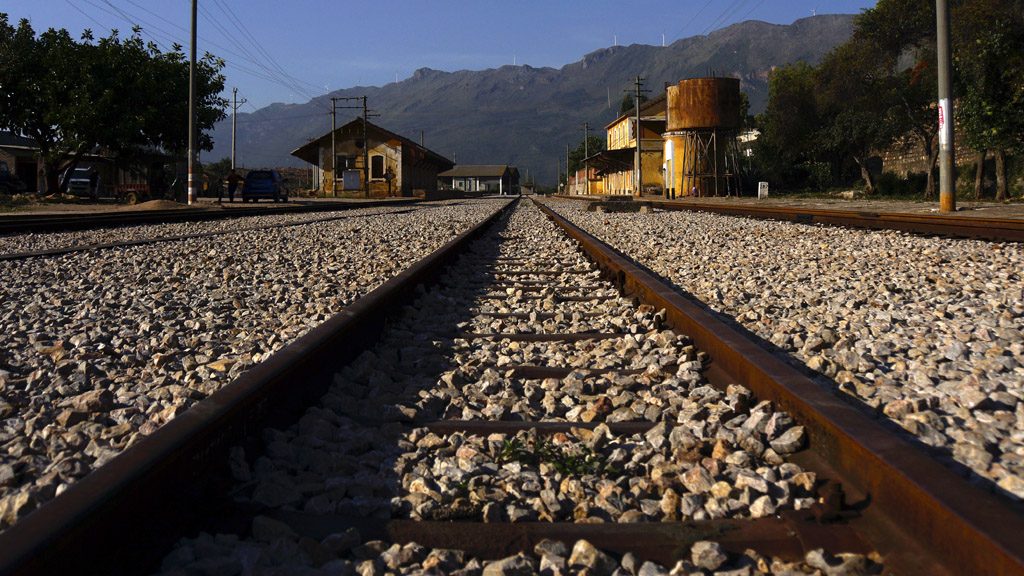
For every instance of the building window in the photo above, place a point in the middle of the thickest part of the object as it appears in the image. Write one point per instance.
(376, 167)
(346, 162)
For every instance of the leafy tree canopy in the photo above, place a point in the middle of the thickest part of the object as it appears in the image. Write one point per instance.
(119, 95)
(592, 145)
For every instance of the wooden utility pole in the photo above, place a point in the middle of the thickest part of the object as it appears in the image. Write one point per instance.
(947, 186)
(566, 168)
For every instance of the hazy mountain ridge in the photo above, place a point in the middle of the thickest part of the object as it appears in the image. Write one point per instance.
(524, 115)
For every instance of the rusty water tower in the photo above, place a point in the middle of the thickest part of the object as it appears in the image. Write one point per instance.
(702, 122)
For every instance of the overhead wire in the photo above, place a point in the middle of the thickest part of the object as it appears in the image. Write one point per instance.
(87, 15)
(723, 17)
(678, 34)
(162, 37)
(751, 11)
(275, 69)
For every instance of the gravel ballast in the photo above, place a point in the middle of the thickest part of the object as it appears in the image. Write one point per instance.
(928, 333)
(708, 454)
(99, 348)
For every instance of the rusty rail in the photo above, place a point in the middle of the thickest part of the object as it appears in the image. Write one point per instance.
(923, 517)
(38, 223)
(121, 518)
(994, 229)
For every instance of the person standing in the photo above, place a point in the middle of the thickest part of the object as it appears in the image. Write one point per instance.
(232, 185)
(94, 184)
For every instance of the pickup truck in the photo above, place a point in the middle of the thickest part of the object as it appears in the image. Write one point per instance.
(78, 181)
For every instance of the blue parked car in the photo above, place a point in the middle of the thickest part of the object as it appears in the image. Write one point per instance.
(264, 184)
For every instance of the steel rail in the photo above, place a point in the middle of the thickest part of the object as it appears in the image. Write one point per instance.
(158, 239)
(924, 518)
(994, 229)
(124, 516)
(57, 222)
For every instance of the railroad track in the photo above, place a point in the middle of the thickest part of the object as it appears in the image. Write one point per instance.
(994, 229)
(159, 236)
(530, 368)
(23, 223)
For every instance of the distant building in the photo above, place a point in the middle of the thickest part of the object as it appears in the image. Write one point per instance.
(483, 178)
(22, 157)
(396, 165)
(746, 141)
(580, 185)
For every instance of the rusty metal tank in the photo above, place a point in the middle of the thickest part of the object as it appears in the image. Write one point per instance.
(704, 104)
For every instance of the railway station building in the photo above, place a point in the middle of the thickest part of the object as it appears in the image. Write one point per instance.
(615, 167)
(362, 151)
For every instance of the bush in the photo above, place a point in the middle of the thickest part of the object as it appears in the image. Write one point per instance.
(913, 186)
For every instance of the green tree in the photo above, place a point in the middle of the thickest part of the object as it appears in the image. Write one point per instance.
(592, 145)
(854, 102)
(626, 105)
(789, 124)
(893, 32)
(989, 75)
(119, 95)
(218, 170)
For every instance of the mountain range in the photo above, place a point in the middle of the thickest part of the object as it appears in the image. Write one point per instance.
(525, 116)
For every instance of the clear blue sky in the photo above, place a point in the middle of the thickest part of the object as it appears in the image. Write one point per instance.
(290, 50)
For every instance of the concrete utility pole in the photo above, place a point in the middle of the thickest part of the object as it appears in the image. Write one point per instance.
(234, 113)
(192, 141)
(639, 153)
(334, 148)
(366, 153)
(947, 188)
(366, 141)
(586, 156)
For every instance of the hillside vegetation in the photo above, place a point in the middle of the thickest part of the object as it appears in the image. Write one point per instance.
(525, 116)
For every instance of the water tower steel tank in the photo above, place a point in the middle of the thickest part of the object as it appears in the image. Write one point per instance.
(702, 121)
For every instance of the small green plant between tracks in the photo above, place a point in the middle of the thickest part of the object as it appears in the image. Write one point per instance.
(571, 459)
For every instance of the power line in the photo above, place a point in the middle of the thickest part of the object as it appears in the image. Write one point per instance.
(690, 21)
(160, 36)
(724, 16)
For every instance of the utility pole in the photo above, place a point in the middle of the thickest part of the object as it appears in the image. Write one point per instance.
(192, 140)
(567, 168)
(586, 156)
(366, 153)
(334, 147)
(639, 153)
(366, 141)
(234, 113)
(947, 189)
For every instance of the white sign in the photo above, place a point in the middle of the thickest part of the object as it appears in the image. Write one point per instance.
(944, 129)
(762, 190)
